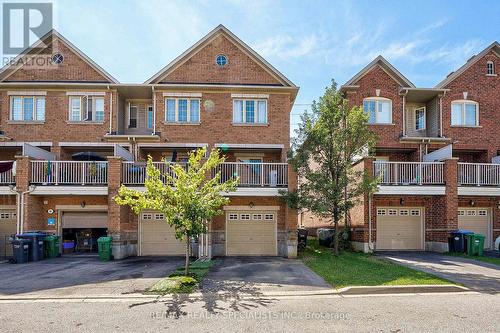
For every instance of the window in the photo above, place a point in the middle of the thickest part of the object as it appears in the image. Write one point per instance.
(269, 217)
(464, 113)
(233, 217)
(482, 212)
(379, 109)
(245, 216)
(381, 212)
(404, 212)
(221, 60)
(490, 68)
(27, 108)
(420, 119)
(182, 110)
(471, 213)
(149, 115)
(147, 216)
(86, 108)
(159, 216)
(132, 117)
(415, 212)
(249, 111)
(461, 213)
(393, 212)
(257, 217)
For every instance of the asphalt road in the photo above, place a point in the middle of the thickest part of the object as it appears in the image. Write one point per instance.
(395, 313)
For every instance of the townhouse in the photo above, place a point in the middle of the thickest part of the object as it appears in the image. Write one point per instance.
(437, 155)
(76, 135)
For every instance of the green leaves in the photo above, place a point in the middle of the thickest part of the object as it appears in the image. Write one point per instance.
(188, 195)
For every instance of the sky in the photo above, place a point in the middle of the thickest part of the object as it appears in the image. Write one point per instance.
(310, 42)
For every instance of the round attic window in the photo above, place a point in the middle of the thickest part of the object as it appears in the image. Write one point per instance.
(57, 58)
(221, 60)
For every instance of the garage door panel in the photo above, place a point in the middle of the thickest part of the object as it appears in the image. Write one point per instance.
(8, 225)
(255, 236)
(401, 230)
(158, 238)
(476, 220)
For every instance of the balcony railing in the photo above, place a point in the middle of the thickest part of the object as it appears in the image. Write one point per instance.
(7, 177)
(479, 174)
(255, 174)
(250, 174)
(69, 173)
(134, 173)
(409, 173)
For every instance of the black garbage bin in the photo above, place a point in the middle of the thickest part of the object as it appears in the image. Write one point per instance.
(457, 242)
(325, 236)
(302, 238)
(20, 250)
(35, 244)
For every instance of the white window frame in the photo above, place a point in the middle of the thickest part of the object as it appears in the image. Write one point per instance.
(232, 217)
(83, 116)
(417, 110)
(149, 108)
(136, 107)
(257, 217)
(490, 65)
(376, 100)
(256, 111)
(245, 217)
(188, 117)
(35, 113)
(462, 103)
(404, 212)
(269, 216)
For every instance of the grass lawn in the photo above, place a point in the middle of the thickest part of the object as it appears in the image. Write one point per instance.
(178, 283)
(490, 260)
(361, 269)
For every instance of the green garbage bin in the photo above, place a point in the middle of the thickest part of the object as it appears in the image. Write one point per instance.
(475, 244)
(51, 246)
(104, 246)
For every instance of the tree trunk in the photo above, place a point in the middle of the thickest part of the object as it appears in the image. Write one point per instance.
(336, 235)
(186, 265)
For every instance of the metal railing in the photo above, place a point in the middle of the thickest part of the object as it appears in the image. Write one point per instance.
(479, 174)
(255, 174)
(134, 173)
(409, 173)
(69, 172)
(7, 177)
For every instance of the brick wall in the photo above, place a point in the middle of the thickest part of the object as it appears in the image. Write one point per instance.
(201, 67)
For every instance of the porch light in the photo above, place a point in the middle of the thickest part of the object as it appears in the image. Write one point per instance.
(83, 204)
(472, 203)
(401, 201)
(251, 204)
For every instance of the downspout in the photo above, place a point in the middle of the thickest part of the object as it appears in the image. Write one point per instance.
(370, 244)
(154, 110)
(110, 112)
(404, 113)
(20, 206)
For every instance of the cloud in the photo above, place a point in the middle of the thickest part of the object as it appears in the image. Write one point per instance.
(287, 47)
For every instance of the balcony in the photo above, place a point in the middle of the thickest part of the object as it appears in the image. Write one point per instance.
(409, 173)
(478, 174)
(256, 175)
(7, 177)
(69, 173)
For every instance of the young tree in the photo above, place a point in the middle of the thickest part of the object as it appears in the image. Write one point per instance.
(329, 140)
(187, 197)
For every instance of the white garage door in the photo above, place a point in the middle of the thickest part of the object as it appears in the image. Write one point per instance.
(400, 228)
(85, 220)
(8, 225)
(157, 238)
(251, 233)
(476, 220)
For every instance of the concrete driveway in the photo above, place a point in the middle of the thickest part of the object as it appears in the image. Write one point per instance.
(471, 273)
(256, 275)
(84, 276)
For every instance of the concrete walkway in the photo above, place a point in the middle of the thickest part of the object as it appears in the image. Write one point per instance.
(471, 273)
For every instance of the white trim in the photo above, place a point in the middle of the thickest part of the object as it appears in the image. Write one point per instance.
(248, 208)
(241, 191)
(8, 207)
(181, 94)
(21, 143)
(254, 96)
(80, 208)
(250, 145)
(90, 144)
(424, 109)
(5, 190)
(70, 190)
(256, 120)
(34, 111)
(26, 93)
(479, 191)
(176, 111)
(171, 145)
(377, 99)
(463, 102)
(488, 63)
(410, 190)
(207, 38)
(83, 93)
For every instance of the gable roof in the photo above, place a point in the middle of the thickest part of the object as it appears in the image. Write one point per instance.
(11, 67)
(387, 67)
(495, 47)
(220, 29)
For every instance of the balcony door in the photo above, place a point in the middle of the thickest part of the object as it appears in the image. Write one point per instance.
(249, 170)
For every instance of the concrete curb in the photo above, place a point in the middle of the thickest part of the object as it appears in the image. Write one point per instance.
(348, 291)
